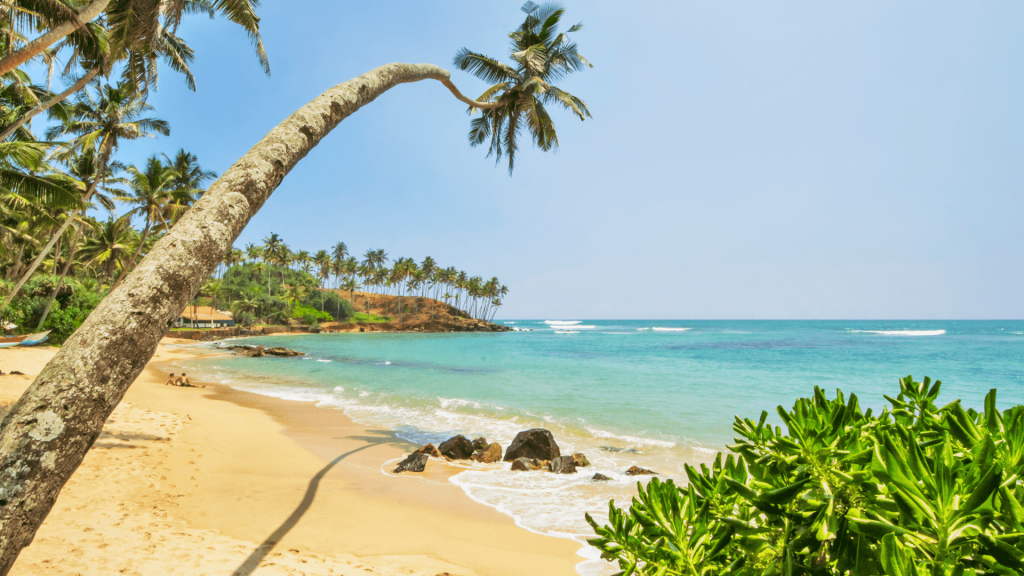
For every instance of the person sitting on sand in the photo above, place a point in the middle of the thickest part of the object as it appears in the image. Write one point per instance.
(184, 381)
(171, 381)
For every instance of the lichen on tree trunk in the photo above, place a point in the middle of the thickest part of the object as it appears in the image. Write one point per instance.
(47, 433)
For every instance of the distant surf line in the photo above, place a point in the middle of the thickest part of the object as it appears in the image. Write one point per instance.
(903, 332)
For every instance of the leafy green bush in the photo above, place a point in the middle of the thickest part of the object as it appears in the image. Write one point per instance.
(308, 315)
(915, 490)
(339, 308)
(74, 302)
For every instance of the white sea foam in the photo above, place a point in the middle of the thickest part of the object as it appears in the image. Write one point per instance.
(509, 322)
(903, 332)
(566, 331)
(661, 329)
(457, 402)
(562, 322)
(364, 394)
(632, 440)
(339, 388)
(322, 360)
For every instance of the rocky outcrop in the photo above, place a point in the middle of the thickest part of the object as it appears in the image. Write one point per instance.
(412, 463)
(260, 351)
(563, 465)
(480, 444)
(456, 448)
(429, 450)
(638, 471)
(489, 455)
(600, 478)
(537, 443)
(526, 464)
(580, 460)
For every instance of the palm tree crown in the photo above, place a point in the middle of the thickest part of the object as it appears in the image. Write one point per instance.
(542, 56)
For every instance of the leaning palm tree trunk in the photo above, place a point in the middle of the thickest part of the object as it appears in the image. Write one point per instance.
(47, 433)
(51, 37)
(43, 107)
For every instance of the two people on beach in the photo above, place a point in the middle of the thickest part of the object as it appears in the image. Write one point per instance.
(181, 381)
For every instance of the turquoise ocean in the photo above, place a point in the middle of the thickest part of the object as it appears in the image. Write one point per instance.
(657, 394)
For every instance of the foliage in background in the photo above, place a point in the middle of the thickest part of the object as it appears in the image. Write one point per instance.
(74, 301)
(915, 490)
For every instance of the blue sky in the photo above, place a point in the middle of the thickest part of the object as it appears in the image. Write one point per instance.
(781, 159)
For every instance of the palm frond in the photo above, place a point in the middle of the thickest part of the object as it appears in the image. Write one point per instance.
(483, 67)
(568, 101)
(479, 129)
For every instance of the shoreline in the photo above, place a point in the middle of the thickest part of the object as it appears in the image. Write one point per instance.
(218, 479)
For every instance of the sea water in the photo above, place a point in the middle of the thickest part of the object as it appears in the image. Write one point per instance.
(657, 394)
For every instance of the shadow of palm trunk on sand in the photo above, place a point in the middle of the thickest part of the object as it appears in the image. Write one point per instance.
(267, 546)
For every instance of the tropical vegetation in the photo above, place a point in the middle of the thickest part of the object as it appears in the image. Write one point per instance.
(915, 490)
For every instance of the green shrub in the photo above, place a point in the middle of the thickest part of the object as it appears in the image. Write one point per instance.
(339, 308)
(308, 315)
(915, 490)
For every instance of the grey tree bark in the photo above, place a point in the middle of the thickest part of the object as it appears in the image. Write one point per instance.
(47, 433)
(51, 37)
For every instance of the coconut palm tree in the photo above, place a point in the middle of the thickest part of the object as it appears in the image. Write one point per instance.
(132, 24)
(101, 122)
(350, 284)
(541, 56)
(339, 253)
(322, 260)
(110, 246)
(152, 194)
(189, 175)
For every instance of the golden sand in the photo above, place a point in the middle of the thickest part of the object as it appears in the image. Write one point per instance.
(217, 481)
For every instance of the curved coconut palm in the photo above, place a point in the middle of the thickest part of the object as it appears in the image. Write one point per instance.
(541, 56)
(88, 376)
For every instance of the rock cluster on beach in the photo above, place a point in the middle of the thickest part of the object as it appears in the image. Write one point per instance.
(260, 351)
(531, 450)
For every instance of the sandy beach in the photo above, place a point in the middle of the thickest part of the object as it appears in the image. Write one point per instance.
(218, 481)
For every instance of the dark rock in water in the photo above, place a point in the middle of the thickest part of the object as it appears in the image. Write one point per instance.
(638, 471)
(260, 351)
(490, 455)
(429, 450)
(623, 450)
(563, 465)
(526, 464)
(413, 463)
(480, 444)
(580, 460)
(16, 373)
(600, 478)
(457, 448)
(285, 352)
(537, 443)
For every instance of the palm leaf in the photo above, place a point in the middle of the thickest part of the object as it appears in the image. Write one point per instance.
(483, 67)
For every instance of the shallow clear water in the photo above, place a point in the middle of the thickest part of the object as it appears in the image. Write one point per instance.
(653, 393)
